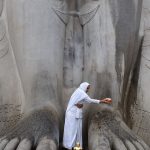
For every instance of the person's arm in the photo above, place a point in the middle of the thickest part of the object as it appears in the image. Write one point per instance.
(90, 100)
(105, 100)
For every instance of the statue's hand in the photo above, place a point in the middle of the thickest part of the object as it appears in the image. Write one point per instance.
(107, 131)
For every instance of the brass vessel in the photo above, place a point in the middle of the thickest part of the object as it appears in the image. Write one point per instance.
(77, 147)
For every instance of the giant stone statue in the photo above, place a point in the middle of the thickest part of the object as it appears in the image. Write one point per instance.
(48, 47)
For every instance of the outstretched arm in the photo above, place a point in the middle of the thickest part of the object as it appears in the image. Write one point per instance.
(105, 100)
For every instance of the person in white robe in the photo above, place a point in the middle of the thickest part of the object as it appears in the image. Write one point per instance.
(73, 116)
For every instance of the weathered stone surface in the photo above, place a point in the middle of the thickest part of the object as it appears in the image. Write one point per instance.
(12, 144)
(46, 144)
(3, 143)
(108, 131)
(138, 105)
(47, 47)
(24, 145)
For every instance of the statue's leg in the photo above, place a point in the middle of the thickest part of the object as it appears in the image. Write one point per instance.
(138, 99)
(37, 37)
(110, 55)
(10, 95)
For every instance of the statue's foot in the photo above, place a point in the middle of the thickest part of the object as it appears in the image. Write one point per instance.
(38, 130)
(108, 132)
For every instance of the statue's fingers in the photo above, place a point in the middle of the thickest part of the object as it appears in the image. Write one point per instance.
(46, 144)
(3, 143)
(129, 145)
(12, 145)
(101, 143)
(25, 145)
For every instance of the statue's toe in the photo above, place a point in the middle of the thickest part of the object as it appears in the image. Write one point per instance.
(118, 143)
(46, 144)
(3, 143)
(12, 144)
(123, 143)
(25, 144)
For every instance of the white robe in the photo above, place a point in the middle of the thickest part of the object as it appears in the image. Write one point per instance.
(73, 118)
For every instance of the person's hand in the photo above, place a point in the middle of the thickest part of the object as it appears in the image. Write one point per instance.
(79, 105)
(106, 100)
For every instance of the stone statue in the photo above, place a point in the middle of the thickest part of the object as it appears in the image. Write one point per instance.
(48, 47)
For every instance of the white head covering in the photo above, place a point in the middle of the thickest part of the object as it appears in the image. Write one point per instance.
(78, 95)
(83, 86)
